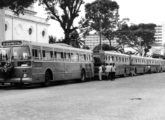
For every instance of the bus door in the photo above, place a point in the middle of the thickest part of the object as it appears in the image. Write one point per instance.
(67, 65)
(37, 63)
(59, 65)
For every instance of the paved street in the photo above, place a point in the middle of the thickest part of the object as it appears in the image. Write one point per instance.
(130, 98)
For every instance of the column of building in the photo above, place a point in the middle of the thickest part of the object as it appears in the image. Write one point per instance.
(2, 27)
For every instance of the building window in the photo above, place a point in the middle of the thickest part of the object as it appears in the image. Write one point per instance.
(6, 27)
(43, 33)
(30, 31)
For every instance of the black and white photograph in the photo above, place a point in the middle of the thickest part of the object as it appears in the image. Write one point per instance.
(82, 60)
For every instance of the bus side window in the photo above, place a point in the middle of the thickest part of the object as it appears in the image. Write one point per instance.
(51, 54)
(116, 59)
(67, 56)
(89, 57)
(74, 57)
(58, 55)
(46, 55)
(81, 57)
(64, 56)
(119, 59)
(36, 54)
(55, 54)
(85, 57)
(112, 58)
(43, 54)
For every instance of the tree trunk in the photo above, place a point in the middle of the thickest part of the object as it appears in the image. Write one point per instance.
(110, 43)
(67, 38)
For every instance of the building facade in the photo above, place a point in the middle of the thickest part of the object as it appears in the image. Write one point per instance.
(159, 46)
(23, 27)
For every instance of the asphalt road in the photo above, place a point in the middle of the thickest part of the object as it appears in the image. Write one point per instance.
(130, 98)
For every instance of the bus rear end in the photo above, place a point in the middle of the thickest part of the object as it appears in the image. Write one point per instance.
(98, 57)
(15, 62)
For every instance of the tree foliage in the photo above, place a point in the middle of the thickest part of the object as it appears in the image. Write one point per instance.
(17, 6)
(52, 39)
(62, 11)
(75, 40)
(138, 37)
(105, 47)
(101, 16)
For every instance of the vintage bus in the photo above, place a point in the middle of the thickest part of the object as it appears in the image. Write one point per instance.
(122, 61)
(30, 62)
(128, 64)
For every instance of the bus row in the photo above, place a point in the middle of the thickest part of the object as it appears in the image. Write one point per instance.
(128, 64)
(25, 62)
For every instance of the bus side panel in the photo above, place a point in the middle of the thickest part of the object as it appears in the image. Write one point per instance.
(58, 71)
(89, 70)
(72, 70)
(38, 71)
(122, 69)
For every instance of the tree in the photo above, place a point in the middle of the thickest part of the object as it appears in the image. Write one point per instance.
(52, 39)
(101, 16)
(75, 40)
(105, 47)
(62, 11)
(85, 47)
(138, 37)
(16, 5)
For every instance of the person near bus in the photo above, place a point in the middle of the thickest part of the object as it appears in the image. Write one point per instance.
(108, 70)
(100, 72)
(113, 71)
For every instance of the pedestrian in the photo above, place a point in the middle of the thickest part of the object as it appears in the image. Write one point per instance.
(113, 70)
(100, 71)
(108, 70)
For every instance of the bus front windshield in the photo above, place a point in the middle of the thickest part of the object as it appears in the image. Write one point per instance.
(4, 54)
(21, 53)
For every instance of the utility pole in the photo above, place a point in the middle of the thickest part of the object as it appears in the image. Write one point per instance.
(100, 29)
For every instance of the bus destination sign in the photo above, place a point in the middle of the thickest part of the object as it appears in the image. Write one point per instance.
(11, 43)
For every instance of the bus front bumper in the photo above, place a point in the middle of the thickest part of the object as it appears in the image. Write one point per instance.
(16, 80)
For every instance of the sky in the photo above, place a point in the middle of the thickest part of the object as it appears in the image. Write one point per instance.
(138, 11)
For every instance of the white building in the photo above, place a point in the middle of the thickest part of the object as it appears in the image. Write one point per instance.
(23, 27)
(159, 46)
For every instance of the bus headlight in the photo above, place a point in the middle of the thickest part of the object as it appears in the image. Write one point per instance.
(24, 75)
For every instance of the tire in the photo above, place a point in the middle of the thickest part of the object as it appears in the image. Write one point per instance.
(19, 85)
(83, 76)
(125, 73)
(47, 78)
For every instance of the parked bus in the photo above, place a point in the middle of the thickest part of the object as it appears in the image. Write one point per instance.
(128, 64)
(122, 61)
(29, 62)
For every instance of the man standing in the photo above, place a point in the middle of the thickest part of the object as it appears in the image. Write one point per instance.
(113, 71)
(100, 72)
(108, 71)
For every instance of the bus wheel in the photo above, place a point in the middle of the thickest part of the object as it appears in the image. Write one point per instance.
(19, 85)
(125, 73)
(83, 76)
(47, 78)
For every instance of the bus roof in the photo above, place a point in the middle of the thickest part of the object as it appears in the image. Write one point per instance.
(24, 42)
(115, 53)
